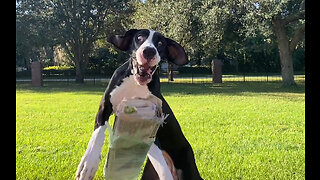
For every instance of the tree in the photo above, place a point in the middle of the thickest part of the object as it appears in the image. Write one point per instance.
(81, 23)
(220, 34)
(35, 35)
(75, 25)
(177, 20)
(283, 19)
(214, 17)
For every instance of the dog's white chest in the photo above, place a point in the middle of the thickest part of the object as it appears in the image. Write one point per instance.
(128, 89)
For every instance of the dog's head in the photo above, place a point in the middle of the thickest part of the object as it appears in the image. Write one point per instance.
(147, 48)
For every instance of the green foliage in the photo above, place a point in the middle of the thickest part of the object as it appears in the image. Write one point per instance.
(299, 60)
(105, 61)
(237, 31)
(58, 71)
(58, 68)
(35, 31)
(196, 70)
(218, 29)
(75, 25)
(259, 15)
(82, 23)
(174, 19)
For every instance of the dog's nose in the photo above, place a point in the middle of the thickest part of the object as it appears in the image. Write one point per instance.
(149, 53)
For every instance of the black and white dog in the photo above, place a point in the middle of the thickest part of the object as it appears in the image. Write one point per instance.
(138, 77)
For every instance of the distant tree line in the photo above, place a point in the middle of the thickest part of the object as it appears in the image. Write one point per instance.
(252, 35)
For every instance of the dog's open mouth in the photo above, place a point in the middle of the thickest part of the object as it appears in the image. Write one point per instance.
(143, 73)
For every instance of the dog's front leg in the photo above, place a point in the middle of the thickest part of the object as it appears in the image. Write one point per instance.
(91, 159)
(173, 141)
(105, 110)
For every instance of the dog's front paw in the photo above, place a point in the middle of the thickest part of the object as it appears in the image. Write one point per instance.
(87, 167)
(90, 161)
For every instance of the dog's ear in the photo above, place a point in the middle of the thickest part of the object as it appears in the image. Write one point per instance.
(176, 53)
(122, 42)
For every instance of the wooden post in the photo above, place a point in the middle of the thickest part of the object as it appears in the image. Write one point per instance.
(216, 66)
(36, 74)
(170, 72)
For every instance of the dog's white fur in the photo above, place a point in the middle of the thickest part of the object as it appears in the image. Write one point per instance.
(159, 163)
(128, 89)
(90, 160)
(147, 43)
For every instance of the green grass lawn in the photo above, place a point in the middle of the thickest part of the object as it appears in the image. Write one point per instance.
(252, 130)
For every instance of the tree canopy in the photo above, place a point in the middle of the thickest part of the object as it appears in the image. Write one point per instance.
(256, 34)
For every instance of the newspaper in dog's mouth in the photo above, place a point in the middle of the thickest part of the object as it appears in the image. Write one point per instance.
(134, 130)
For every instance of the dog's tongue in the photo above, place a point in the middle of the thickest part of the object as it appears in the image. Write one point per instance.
(145, 66)
(144, 70)
(144, 73)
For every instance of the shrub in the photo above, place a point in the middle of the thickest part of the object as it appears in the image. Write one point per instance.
(58, 68)
(58, 71)
(195, 70)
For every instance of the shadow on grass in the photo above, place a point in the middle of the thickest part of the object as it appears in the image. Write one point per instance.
(230, 88)
(56, 87)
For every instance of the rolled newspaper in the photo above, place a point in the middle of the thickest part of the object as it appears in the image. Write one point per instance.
(134, 130)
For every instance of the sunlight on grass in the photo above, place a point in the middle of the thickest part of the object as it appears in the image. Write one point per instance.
(252, 130)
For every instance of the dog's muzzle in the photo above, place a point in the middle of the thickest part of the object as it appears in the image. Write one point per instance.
(143, 73)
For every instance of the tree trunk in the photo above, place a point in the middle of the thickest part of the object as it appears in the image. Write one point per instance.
(81, 56)
(79, 71)
(286, 65)
(78, 60)
(285, 53)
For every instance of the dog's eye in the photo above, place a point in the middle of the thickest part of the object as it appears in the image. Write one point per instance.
(159, 43)
(141, 38)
